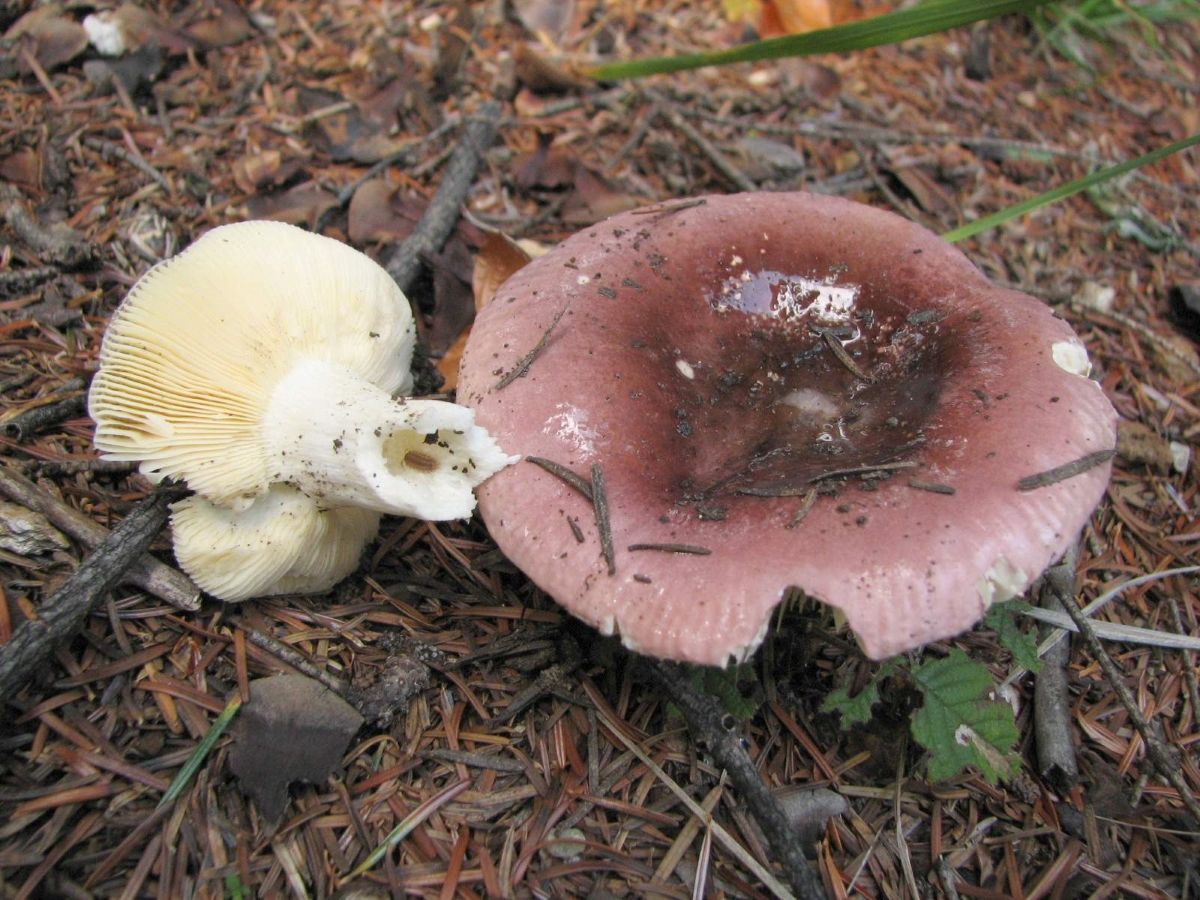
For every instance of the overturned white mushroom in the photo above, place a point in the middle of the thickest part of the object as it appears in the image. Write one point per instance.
(284, 543)
(266, 354)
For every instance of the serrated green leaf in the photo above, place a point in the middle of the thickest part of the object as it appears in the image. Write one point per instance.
(1002, 619)
(734, 687)
(857, 709)
(958, 724)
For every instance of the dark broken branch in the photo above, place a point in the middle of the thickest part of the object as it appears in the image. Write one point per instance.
(440, 218)
(1051, 698)
(64, 613)
(706, 721)
(154, 577)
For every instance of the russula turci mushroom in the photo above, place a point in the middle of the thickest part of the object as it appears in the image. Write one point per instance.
(283, 543)
(266, 356)
(781, 390)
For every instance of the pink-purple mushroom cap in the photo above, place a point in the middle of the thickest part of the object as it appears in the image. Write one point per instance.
(781, 390)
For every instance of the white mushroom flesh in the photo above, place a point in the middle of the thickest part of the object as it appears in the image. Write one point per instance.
(400, 456)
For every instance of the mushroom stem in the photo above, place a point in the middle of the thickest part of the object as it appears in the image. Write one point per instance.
(344, 441)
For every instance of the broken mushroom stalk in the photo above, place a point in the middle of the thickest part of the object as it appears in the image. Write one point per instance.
(777, 391)
(260, 367)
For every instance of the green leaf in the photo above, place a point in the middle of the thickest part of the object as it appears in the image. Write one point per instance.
(1002, 619)
(958, 724)
(926, 18)
(1066, 190)
(857, 709)
(735, 688)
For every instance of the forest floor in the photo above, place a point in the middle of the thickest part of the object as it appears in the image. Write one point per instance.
(526, 738)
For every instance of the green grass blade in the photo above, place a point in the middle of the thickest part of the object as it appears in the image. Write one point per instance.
(405, 828)
(202, 750)
(1066, 190)
(927, 18)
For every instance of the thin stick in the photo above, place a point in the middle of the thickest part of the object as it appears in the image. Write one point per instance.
(845, 358)
(693, 549)
(715, 156)
(727, 840)
(1065, 471)
(526, 361)
(64, 613)
(706, 722)
(600, 504)
(154, 577)
(933, 487)
(1168, 769)
(563, 474)
(439, 219)
(1051, 697)
(296, 660)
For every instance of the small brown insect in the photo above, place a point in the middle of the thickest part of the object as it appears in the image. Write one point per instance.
(422, 462)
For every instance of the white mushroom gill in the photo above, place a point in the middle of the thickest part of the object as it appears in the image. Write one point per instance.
(401, 456)
(282, 543)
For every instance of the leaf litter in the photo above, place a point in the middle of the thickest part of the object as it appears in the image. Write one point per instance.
(217, 132)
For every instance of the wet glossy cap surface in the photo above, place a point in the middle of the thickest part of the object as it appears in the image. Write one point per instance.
(722, 362)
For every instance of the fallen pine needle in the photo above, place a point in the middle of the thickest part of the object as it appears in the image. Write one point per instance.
(405, 828)
(770, 882)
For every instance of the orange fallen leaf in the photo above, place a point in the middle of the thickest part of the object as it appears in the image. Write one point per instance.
(498, 258)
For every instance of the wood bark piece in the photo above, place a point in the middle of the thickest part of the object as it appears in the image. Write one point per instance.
(706, 721)
(1051, 697)
(154, 577)
(64, 613)
(439, 219)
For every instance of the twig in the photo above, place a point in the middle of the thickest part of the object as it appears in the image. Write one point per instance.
(706, 721)
(692, 549)
(58, 244)
(439, 219)
(687, 129)
(522, 365)
(562, 473)
(22, 426)
(154, 577)
(727, 840)
(296, 660)
(1068, 470)
(1051, 703)
(600, 504)
(61, 616)
(1168, 769)
(23, 279)
(844, 358)
(1115, 631)
(1189, 669)
(109, 151)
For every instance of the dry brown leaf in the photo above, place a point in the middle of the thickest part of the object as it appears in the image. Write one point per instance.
(53, 39)
(594, 198)
(545, 166)
(794, 16)
(498, 258)
(543, 75)
(546, 18)
(379, 212)
(301, 205)
(228, 25)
